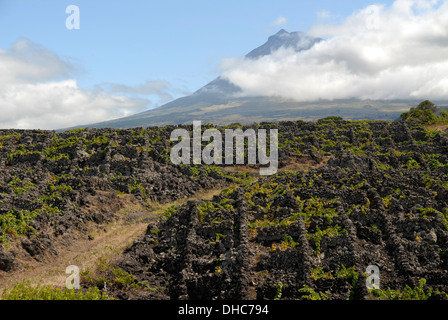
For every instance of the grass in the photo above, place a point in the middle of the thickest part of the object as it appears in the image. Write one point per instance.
(104, 273)
(25, 290)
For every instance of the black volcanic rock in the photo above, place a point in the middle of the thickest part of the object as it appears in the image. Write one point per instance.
(343, 200)
(314, 231)
(54, 184)
(7, 261)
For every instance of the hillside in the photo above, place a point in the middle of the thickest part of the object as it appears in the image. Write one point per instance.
(348, 194)
(223, 111)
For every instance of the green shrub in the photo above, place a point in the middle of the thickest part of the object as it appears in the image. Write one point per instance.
(288, 242)
(209, 206)
(26, 291)
(195, 171)
(278, 291)
(310, 294)
(16, 222)
(419, 292)
(330, 118)
(383, 166)
(425, 211)
(205, 207)
(411, 164)
(317, 236)
(19, 187)
(137, 188)
(98, 141)
(352, 276)
(425, 113)
(434, 164)
(110, 275)
(169, 211)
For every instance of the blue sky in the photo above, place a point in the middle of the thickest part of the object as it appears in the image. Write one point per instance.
(136, 54)
(178, 41)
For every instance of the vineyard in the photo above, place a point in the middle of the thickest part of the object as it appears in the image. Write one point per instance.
(348, 195)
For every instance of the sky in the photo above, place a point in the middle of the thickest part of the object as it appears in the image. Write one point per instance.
(131, 56)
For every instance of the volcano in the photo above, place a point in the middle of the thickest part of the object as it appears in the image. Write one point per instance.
(221, 102)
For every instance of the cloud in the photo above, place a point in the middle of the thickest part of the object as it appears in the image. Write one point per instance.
(27, 61)
(324, 14)
(38, 92)
(280, 21)
(379, 52)
(159, 88)
(60, 104)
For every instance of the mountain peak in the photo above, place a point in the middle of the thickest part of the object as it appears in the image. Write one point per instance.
(282, 31)
(297, 40)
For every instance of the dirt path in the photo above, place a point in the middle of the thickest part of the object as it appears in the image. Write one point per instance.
(83, 253)
(102, 242)
(439, 127)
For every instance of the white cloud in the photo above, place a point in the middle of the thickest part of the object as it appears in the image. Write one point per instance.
(37, 92)
(396, 52)
(280, 21)
(155, 87)
(60, 104)
(324, 14)
(26, 61)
